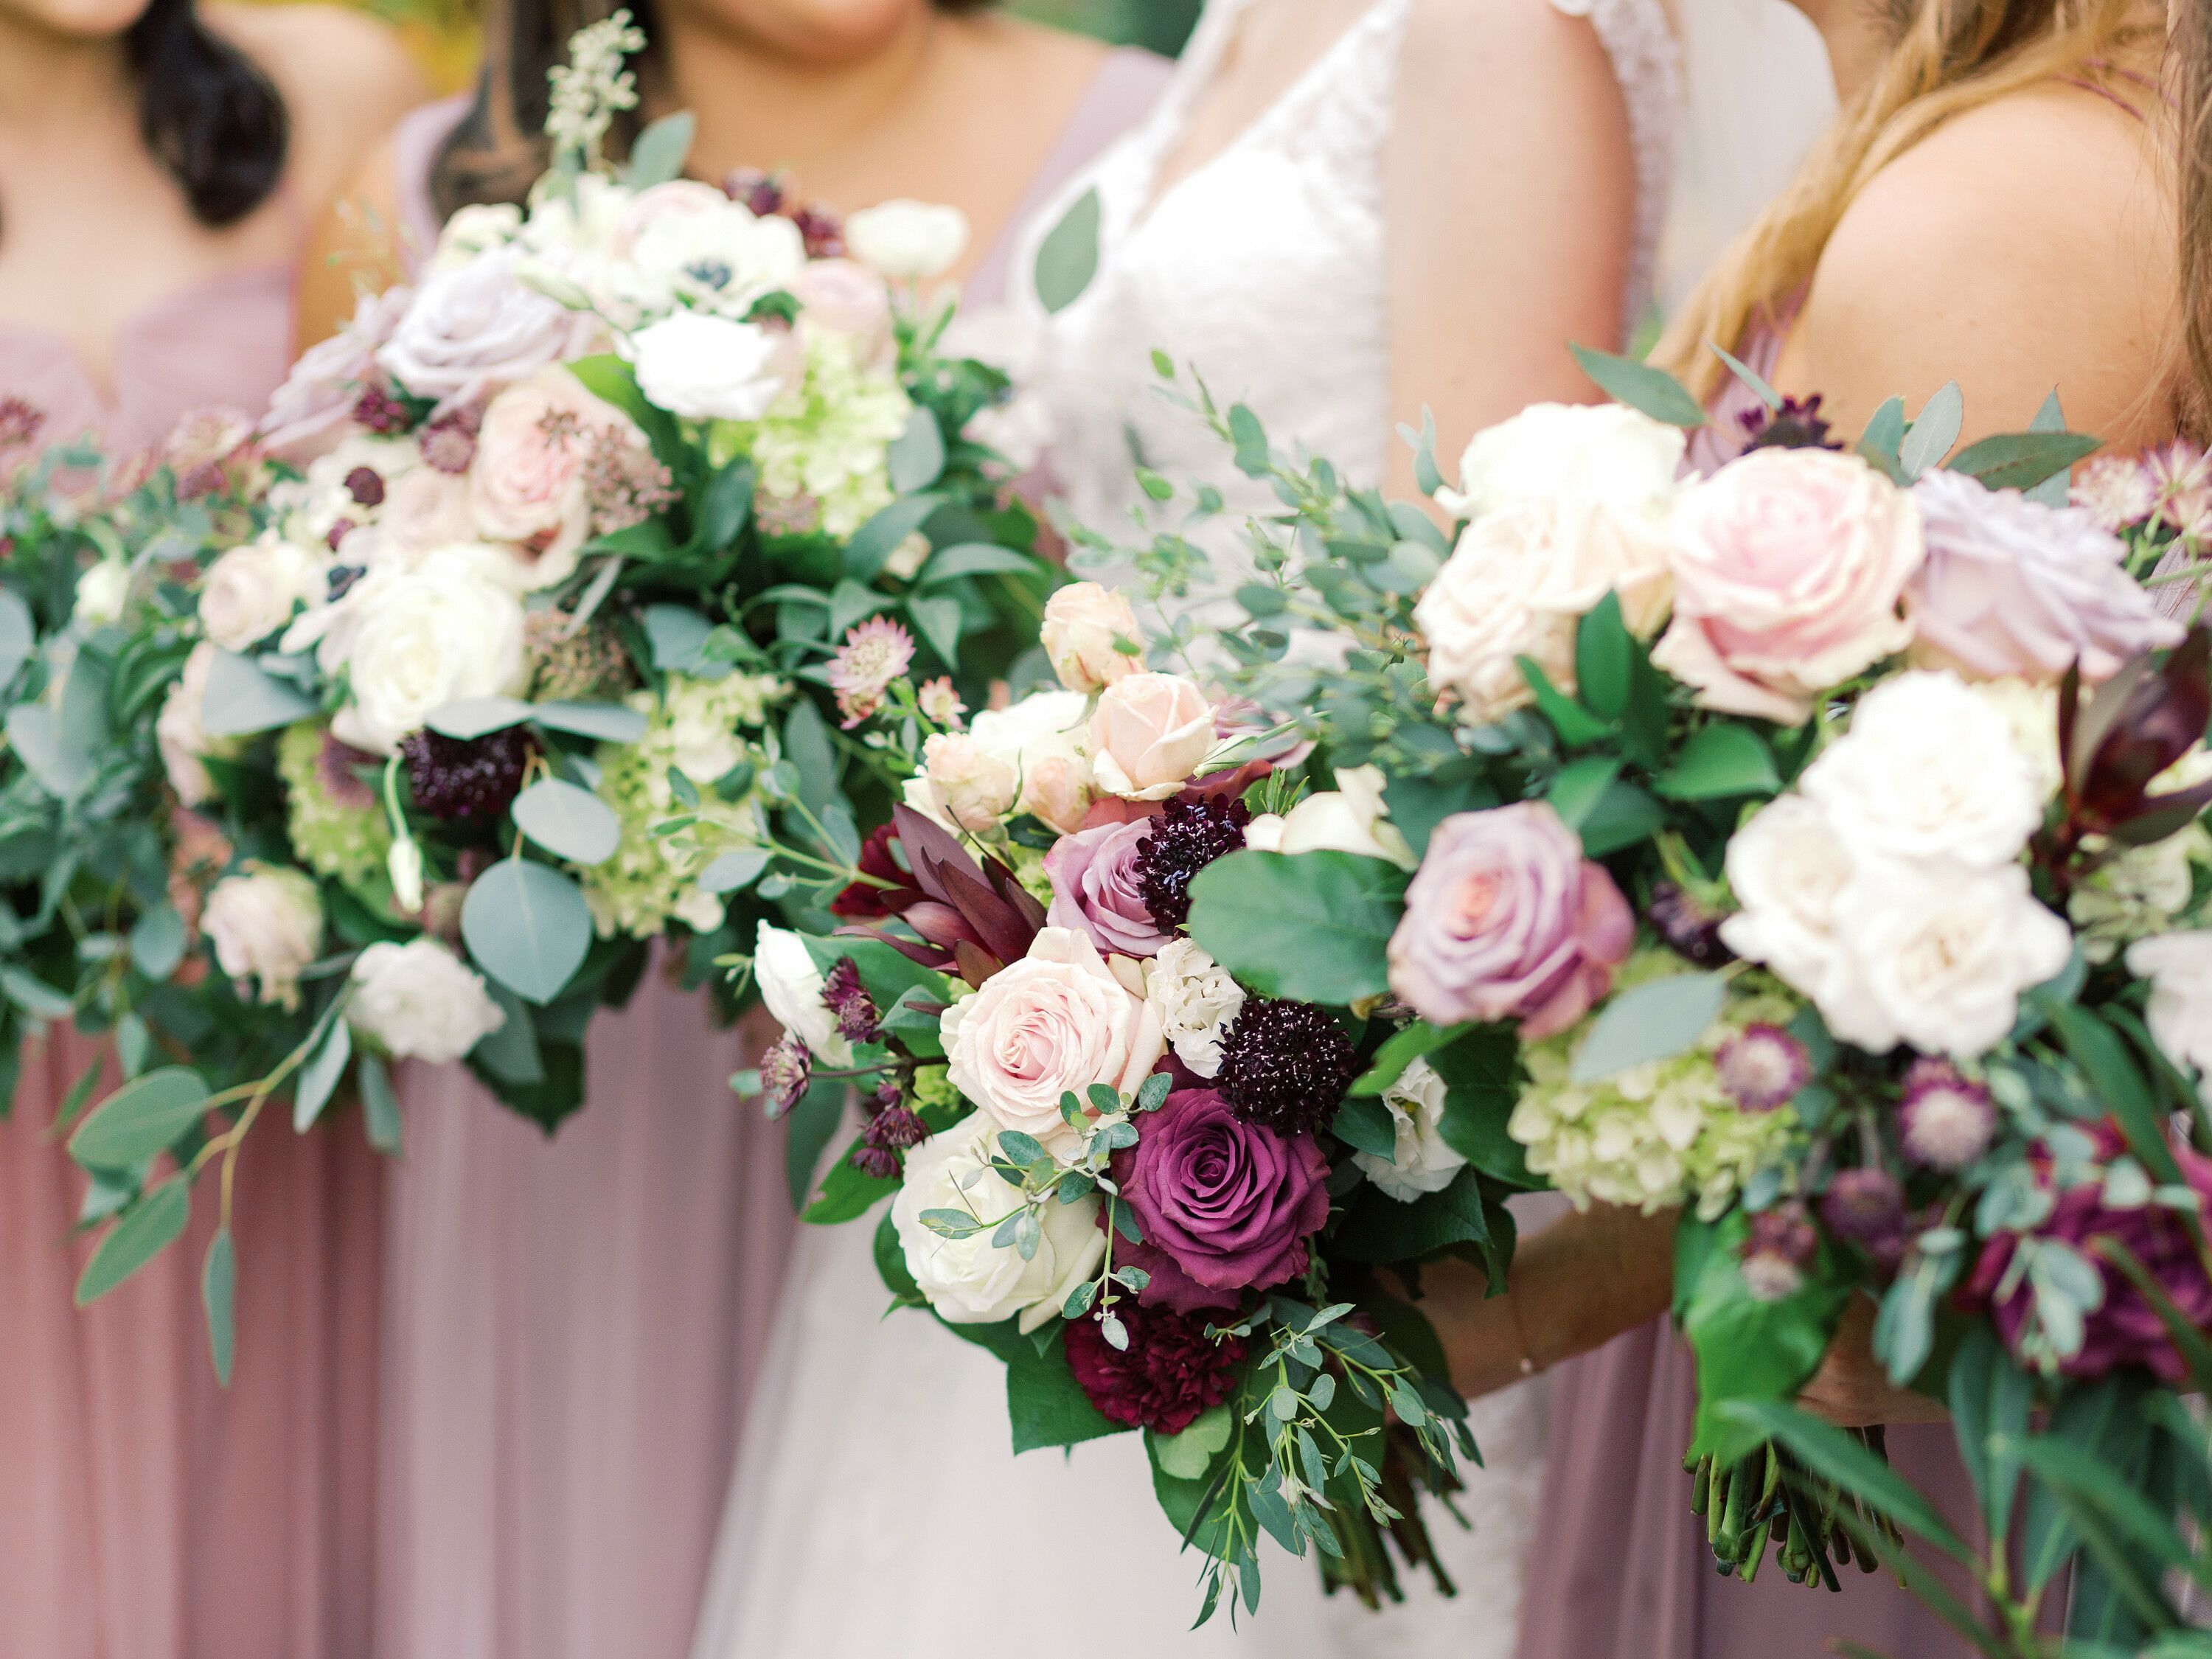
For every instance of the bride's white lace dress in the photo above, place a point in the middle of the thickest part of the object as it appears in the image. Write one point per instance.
(876, 1509)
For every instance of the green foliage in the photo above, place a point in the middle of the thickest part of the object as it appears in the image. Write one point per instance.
(1313, 927)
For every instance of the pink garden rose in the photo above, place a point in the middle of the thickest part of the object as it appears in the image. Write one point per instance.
(1148, 734)
(679, 199)
(1057, 1020)
(845, 297)
(1082, 622)
(1789, 568)
(527, 484)
(1224, 1206)
(474, 329)
(1507, 920)
(2013, 588)
(1096, 887)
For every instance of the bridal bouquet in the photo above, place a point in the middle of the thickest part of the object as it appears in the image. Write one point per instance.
(529, 660)
(1177, 1175)
(1816, 847)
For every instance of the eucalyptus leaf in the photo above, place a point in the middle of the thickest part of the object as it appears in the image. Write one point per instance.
(1654, 1021)
(570, 822)
(1933, 431)
(157, 942)
(1068, 258)
(318, 1078)
(975, 559)
(18, 636)
(469, 718)
(528, 926)
(657, 155)
(675, 634)
(1641, 386)
(916, 456)
(608, 722)
(2053, 491)
(241, 699)
(34, 732)
(379, 1106)
(147, 1228)
(219, 1299)
(734, 871)
(147, 1115)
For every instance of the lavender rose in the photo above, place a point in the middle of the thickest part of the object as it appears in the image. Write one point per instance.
(1225, 1205)
(2012, 588)
(474, 329)
(310, 411)
(1507, 920)
(1098, 886)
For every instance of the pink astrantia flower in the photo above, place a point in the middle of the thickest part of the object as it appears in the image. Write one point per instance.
(875, 652)
(1946, 1119)
(938, 701)
(1763, 1066)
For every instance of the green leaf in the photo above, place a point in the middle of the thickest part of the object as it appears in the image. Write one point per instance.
(938, 621)
(1069, 258)
(876, 540)
(1989, 1398)
(1400, 1050)
(1622, 816)
(219, 1298)
(510, 1054)
(34, 732)
(2053, 490)
(2115, 1080)
(1721, 761)
(1251, 437)
(1605, 653)
(1747, 1349)
(157, 942)
(478, 717)
(1188, 1455)
(379, 1106)
(1884, 435)
(2021, 461)
(975, 559)
(148, 1228)
(1363, 1123)
(607, 722)
(146, 1115)
(1312, 927)
(1750, 376)
(528, 926)
(1641, 386)
(734, 870)
(318, 1078)
(847, 1194)
(1046, 1405)
(1933, 430)
(33, 994)
(1580, 786)
(657, 155)
(723, 506)
(1481, 1071)
(916, 456)
(675, 634)
(243, 700)
(1377, 1227)
(1655, 1021)
(1574, 724)
(806, 746)
(1837, 1458)
(568, 822)
(809, 1127)
(19, 635)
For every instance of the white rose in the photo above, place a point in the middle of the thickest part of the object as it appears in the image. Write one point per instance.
(447, 630)
(791, 986)
(476, 227)
(267, 924)
(2030, 712)
(249, 592)
(473, 329)
(1928, 770)
(1351, 818)
(100, 592)
(719, 261)
(2180, 968)
(1943, 952)
(707, 369)
(1421, 1162)
(419, 1001)
(1607, 459)
(178, 732)
(972, 1281)
(1195, 999)
(907, 240)
(1789, 868)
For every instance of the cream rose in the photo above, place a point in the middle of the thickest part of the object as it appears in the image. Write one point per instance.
(1083, 625)
(1148, 735)
(526, 485)
(967, 784)
(101, 592)
(708, 369)
(266, 924)
(2180, 968)
(1057, 1020)
(972, 1281)
(1788, 869)
(907, 240)
(178, 735)
(1612, 462)
(449, 630)
(1034, 756)
(1790, 565)
(250, 591)
(1421, 1161)
(791, 987)
(419, 1001)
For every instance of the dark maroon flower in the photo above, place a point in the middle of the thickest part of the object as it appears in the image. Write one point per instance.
(1693, 930)
(877, 1161)
(366, 485)
(1224, 1206)
(847, 1000)
(1780, 1245)
(20, 421)
(1866, 1208)
(785, 1071)
(2124, 1329)
(449, 443)
(823, 234)
(1169, 1376)
(1191, 831)
(974, 918)
(1286, 1065)
(761, 193)
(1798, 424)
(2138, 724)
(379, 411)
(1946, 1119)
(864, 900)
(895, 1128)
(339, 530)
(466, 777)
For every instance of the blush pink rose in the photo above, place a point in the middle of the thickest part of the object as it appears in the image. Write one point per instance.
(1057, 1020)
(527, 484)
(1096, 886)
(1084, 623)
(679, 199)
(1148, 734)
(1790, 566)
(1506, 920)
(845, 297)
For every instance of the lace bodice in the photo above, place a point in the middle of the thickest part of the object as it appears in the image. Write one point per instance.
(1264, 266)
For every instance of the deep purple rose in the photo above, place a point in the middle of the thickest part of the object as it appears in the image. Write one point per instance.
(1095, 887)
(1165, 1380)
(2124, 1329)
(1225, 1205)
(1506, 920)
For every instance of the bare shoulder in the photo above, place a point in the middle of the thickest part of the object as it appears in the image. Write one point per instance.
(1023, 44)
(345, 79)
(2027, 244)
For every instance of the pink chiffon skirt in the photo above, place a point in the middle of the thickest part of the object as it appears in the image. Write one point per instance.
(1620, 1570)
(571, 1328)
(145, 1512)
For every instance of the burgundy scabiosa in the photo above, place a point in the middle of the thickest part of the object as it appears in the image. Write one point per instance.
(379, 411)
(1192, 830)
(1945, 1119)
(449, 443)
(875, 653)
(470, 778)
(1798, 424)
(849, 1004)
(1866, 1208)
(1691, 927)
(1763, 1066)
(1169, 1375)
(1285, 1065)
(366, 485)
(20, 421)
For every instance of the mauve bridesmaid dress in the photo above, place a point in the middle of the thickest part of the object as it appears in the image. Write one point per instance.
(146, 1513)
(1619, 1568)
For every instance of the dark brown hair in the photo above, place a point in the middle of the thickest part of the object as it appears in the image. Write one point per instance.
(498, 149)
(207, 112)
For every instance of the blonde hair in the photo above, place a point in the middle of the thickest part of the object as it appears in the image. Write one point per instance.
(1950, 56)
(2192, 37)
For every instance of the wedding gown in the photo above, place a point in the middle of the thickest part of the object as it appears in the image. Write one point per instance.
(876, 1507)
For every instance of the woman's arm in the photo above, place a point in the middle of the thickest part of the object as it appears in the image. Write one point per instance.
(1510, 191)
(353, 247)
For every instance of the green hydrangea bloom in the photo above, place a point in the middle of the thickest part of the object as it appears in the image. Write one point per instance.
(1027, 865)
(933, 1086)
(1660, 1133)
(346, 840)
(699, 729)
(827, 439)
